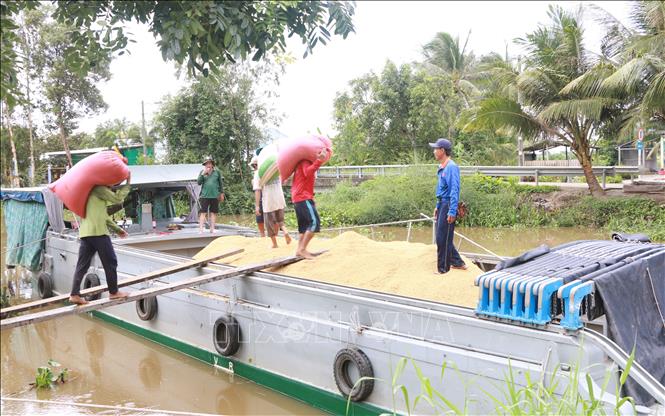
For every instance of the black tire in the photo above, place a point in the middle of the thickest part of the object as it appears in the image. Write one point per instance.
(346, 385)
(146, 308)
(226, 335)
(90, 280)
(44, 285)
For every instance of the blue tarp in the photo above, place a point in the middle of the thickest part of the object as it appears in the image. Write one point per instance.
(23, 195)
(25, 224)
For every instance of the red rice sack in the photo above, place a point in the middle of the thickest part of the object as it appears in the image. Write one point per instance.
(103, 168)
(291, 152)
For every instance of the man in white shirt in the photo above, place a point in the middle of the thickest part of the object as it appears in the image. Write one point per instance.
(273, 210)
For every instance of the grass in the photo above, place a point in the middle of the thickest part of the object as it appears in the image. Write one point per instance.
(560, 394)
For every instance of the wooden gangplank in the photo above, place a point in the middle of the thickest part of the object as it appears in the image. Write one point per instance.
(145, 293)
(127, 282)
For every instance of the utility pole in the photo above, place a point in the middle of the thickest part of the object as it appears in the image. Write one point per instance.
(143, 134)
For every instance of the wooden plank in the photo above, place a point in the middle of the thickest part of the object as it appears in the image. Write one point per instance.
(127, 282)
(141, 294)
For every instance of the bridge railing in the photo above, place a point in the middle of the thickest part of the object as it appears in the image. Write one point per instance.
(369, 171)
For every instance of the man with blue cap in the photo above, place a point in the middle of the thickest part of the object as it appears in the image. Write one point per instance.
(445, 213)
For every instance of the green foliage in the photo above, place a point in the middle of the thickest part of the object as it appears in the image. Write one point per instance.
(492, 202)
(47, 378)
(218, 116)
(202, 35)
(388, 118)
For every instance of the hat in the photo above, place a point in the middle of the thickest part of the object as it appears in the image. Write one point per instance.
(442, 144)
(208, 159)
(254, 161)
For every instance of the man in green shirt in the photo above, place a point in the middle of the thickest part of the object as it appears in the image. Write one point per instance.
(212, 192)
(94, 236)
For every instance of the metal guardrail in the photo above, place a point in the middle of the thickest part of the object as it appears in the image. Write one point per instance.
(369, 171)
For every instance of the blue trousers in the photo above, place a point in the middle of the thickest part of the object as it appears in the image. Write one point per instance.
(447, 254)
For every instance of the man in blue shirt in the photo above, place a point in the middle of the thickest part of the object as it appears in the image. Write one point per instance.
(447, 197)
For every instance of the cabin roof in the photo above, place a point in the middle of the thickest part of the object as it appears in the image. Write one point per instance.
(162, 174)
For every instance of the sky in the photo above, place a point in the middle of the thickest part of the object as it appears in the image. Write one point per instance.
(393, 30)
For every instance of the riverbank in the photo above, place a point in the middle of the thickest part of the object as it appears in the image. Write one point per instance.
(492, 202)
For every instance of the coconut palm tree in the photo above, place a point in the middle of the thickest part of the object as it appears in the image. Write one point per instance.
(444, 53)
(537, 108)
(632, 66)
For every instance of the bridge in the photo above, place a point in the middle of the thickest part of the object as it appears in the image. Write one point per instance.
(329, 176)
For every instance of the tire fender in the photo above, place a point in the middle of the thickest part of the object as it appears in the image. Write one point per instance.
(44, 285)
(146, 308)
(91, 280)
(346, 358)
(226, 335)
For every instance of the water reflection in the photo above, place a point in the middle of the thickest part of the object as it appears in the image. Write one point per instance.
(113, 367)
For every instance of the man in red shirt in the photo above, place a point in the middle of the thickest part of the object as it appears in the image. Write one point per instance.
(302, 196)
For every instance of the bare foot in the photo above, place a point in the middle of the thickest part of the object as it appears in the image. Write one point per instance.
(118, 295)
(462, 267)
(305, 254)
(274, 246)
(77, 300)
(287, 238)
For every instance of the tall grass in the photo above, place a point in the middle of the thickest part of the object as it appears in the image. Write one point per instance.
(558, 395)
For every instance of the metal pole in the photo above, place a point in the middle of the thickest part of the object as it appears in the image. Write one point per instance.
(143, 133)
(604, 179)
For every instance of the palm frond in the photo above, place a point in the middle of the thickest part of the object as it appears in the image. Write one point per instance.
(626, 78)
(589, 108)
(537, 87)
(588, 84)
(501, 113)
(654, 97)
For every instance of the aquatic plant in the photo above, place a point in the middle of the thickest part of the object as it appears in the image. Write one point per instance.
(46, 375)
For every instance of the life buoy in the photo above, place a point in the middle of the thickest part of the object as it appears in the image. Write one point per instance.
(226, 335)
(44, 285)
(347, 384)
(146, 308)
(90, 280)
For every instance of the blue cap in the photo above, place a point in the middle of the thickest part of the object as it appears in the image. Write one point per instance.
(442, 144)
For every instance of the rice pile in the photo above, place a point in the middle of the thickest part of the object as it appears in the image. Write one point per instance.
(397, 267)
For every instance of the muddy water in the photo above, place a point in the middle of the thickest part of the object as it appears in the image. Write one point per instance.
(109, 366)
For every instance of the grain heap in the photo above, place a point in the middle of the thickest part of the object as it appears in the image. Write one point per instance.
(397, 267)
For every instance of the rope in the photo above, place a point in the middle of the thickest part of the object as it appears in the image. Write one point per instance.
(131, 410)
(23, 245)
(469, 240)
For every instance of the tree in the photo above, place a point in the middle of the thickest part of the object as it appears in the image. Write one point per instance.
(31, 22)
(443, 53)
(203, 35)
(68, 94)
(543, 109)
(632, 68)
(112, 131)
(388, 118)
(220, 115)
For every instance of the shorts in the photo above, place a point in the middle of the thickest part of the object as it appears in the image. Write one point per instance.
(259, 218)
(308, 217)
(271, 218)
(209, 204)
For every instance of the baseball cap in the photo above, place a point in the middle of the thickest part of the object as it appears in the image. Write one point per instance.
(208, 159)
(442, 144)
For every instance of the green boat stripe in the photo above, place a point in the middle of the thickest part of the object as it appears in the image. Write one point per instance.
(313, 396)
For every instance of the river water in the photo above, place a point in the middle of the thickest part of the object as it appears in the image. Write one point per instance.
(112, 367)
